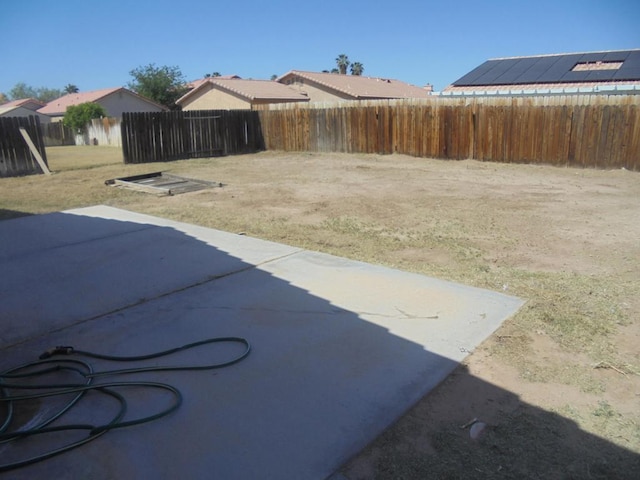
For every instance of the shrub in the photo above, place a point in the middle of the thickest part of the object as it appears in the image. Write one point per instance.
(78, 116)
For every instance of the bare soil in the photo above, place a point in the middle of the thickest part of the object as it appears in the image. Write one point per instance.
(558, 385)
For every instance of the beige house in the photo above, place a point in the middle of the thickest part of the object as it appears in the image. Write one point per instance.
(331, 87)
(115, 101)
(23, 108)
(217, 93)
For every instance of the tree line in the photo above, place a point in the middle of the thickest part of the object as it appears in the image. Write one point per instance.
(43, 94)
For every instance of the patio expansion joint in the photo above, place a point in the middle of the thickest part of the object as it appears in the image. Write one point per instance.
(143, 301)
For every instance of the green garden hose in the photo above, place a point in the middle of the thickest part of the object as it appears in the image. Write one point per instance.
(50, 362)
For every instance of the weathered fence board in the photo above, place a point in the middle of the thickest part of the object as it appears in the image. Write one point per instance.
(15, 155)
(165, 136)
(104, 131)
(596, 134)
(56, 134)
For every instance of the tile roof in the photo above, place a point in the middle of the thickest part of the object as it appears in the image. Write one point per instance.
(249, 89)
(19, 111)
(557, 68)
(360, 87)
(22, 102)
(59, 105)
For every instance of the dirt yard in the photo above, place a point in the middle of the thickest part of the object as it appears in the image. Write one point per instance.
(558, 386)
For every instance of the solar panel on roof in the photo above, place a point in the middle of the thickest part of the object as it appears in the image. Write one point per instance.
(552, 73)
(627, 74)
(615, 56)
(630, 69)
(558, 66)
(591, 57)
(575, 77)
(600, 75)
(519, 69)
(537, 68)
(470, 77)
(499, 67)
(552, 69)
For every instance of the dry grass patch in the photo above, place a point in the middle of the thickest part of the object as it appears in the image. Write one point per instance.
(564, 239)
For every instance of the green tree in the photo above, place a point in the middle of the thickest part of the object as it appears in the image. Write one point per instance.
(3, 98)
(22, 90)
(45, 95)
(342, 62)
(163, 85)
(357, 68)
(71, 88)
(78, 116)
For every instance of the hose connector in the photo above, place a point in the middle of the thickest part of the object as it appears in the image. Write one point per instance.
(59, 350)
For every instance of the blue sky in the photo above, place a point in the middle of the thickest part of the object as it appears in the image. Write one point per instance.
(95, 45)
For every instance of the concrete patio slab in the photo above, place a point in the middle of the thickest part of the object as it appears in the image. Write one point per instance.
(341, 349)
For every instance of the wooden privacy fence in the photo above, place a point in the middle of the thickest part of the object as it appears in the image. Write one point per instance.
(56, 134)
(158, 137)
(103, 131)
(587, 135)
(16, 157)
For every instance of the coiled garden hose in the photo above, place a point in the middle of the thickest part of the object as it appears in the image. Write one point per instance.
(51, 362)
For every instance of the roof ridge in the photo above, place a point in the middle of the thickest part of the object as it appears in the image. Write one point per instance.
(243, 94)
(359, 86)
(321, 82)
(61, 103)
(235, 86)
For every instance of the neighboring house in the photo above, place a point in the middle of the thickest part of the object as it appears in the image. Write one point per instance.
(28, 103)
(115, 101)
(23, 108)
(331, 87)
(592, 72)
(217, 93)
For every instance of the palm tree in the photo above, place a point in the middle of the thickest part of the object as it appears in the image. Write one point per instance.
(343, 62)
(357, 68)
(71, 88)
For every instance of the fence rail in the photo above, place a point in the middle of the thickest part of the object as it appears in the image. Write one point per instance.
(518, 130)
(165, 136)
(15, 156)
